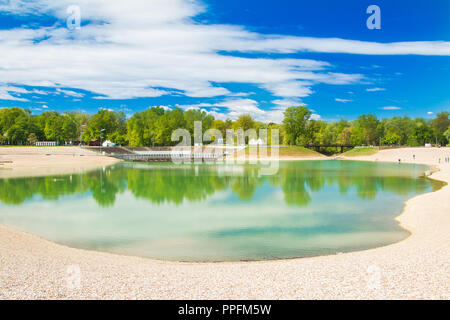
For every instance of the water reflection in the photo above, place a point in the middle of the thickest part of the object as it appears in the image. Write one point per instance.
(168, 183)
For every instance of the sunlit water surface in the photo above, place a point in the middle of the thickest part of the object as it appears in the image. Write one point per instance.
(217, 212)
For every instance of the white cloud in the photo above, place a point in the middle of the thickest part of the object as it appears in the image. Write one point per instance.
(40, 92)
(12, 93)
(293, 102)
(286, 44)
(430, 112)
(390, 108)
(342, 100)
(375, 89)
(289, 89)
(232, 108)
(70, 93)
(154, 48)
(240, 94)
(315, 116)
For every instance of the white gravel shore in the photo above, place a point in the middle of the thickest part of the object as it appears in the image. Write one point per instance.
(415, 268)
(39, 161)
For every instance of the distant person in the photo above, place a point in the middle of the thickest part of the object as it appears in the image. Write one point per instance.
(399, 160)
(414, 157)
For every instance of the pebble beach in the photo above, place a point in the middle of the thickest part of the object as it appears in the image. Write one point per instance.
(415, 268)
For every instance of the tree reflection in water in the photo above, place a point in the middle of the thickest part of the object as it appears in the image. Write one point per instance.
(172, 183)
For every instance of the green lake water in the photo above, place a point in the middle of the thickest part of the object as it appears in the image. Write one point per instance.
(218, 212)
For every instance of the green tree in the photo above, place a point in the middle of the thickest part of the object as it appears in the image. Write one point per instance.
(244, 122)
(141, 127)
(166, 124)
(401, 126)
(112, 123)
(295, 122)
(423, 133)
(70, 127)
(192, 115)
(440, 124)
(15, 124)
(392, 138)
(220, 125)
(367, 125)
(38, 124)
(53, 128)
(345, 136)
(447, 134)
(32, 138)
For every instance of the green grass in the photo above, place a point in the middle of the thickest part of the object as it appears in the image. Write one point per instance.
(364, 151)
(287, 151)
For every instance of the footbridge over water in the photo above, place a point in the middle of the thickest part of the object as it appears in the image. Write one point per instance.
(164, 154)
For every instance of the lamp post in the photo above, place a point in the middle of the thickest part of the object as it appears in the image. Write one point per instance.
(101, 139)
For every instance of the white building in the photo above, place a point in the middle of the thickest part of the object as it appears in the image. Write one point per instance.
(254, 142)
(108, 143)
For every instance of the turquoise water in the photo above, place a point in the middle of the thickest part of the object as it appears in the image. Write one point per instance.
(217, 212)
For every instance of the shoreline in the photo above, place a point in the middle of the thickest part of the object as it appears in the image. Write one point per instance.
(44, 161)
(416, 267)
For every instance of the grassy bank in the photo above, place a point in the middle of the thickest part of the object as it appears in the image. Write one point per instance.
(364, 151)
(287, 151)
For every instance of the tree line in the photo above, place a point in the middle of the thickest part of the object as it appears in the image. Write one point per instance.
(154, 127)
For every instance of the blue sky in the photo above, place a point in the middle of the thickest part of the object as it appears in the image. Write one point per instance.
(227, 57)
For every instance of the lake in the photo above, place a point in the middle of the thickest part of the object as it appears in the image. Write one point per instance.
(218, 212)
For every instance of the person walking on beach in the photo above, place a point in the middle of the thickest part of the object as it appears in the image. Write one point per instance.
(399, 160)
(414, 157)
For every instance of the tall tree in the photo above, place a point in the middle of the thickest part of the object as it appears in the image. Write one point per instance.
(141, 127)
(244, 122)
(70, 127)
(368, 124)
(168, 123)
(53, 128)
(295, 121)
(440, 124)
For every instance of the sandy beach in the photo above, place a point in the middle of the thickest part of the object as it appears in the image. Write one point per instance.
(41, 161)
(415, 268)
